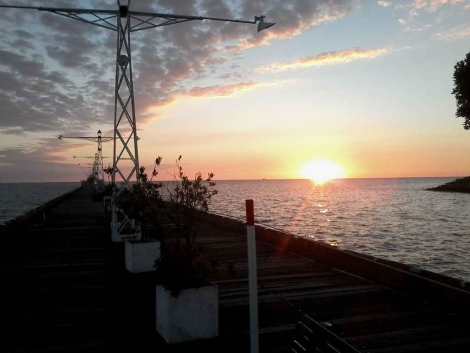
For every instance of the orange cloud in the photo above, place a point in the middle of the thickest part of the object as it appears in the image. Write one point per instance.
(222, 90)
(325, 58)
(216, 91)
(284, 32)
(384, 3)
(432, 5)
(161, 103)
(454, 34)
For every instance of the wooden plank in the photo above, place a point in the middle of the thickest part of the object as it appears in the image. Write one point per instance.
(407, 336)
(329, 293)
(450, 345)
(319, 337)
(386, 322)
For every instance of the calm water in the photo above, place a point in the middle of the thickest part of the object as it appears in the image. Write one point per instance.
(396, 219)
(17, 198)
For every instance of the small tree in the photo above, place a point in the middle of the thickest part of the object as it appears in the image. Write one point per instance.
(142, 201)
(190, 200)
(109, 188)
(183, 263)
(462, 90)
(108, 171)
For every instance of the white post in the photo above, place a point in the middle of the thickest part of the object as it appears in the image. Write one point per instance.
(252, 275)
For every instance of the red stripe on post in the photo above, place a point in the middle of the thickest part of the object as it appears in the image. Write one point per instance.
(250, 213)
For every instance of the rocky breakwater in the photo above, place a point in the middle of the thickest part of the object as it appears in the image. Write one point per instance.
(458, 185)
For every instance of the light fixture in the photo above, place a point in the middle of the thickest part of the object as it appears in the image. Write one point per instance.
(261, 24)
(123, 60)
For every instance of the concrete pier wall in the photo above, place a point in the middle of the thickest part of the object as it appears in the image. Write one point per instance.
(30, 214)
(448, 292)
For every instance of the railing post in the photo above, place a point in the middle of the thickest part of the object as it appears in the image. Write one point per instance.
(252, 276)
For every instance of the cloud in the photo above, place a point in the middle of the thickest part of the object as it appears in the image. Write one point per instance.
(454, 34)
(422, 13)
(165, 60)
(38, 163)
(429, 5)
(334, 57)
(384, 3)
(57, 74)
(222, 90)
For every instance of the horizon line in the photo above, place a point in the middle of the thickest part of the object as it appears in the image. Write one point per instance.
(257, 179)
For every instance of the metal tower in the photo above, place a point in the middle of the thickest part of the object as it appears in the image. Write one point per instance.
(98, 161)
(124, 21)
(95, 164)
(98, 168)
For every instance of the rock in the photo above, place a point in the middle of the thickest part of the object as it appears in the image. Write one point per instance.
(458, 185)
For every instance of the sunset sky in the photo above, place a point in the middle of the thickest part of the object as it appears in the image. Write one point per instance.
(366, 84)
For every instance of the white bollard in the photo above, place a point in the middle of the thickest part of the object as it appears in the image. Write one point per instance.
(252, 276)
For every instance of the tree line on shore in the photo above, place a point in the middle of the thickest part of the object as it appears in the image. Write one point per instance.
(462, 96)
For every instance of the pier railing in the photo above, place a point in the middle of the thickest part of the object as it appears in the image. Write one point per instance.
(313, 336)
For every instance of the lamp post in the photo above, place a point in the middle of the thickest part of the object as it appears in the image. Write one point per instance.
(125, 21)
(98, 157)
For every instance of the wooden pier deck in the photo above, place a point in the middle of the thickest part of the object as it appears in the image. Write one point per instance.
(65, 290)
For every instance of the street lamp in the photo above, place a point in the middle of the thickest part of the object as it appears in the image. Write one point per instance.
(98, 166)
(125, 148)
(261, 24)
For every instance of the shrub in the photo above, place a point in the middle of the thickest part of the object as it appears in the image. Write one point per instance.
(183, 263)
(142, 201)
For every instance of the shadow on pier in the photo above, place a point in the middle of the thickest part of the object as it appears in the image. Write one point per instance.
(65, 290)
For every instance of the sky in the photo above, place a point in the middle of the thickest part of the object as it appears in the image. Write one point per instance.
(365, 84)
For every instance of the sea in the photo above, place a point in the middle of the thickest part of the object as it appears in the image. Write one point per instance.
(395, 219)
(18, 198)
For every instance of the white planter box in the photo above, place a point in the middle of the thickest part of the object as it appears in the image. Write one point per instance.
(140, 257)
(192, 315)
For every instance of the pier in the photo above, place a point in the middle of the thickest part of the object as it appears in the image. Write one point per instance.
(66, 290)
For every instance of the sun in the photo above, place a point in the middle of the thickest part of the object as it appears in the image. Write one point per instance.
(321, 170)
